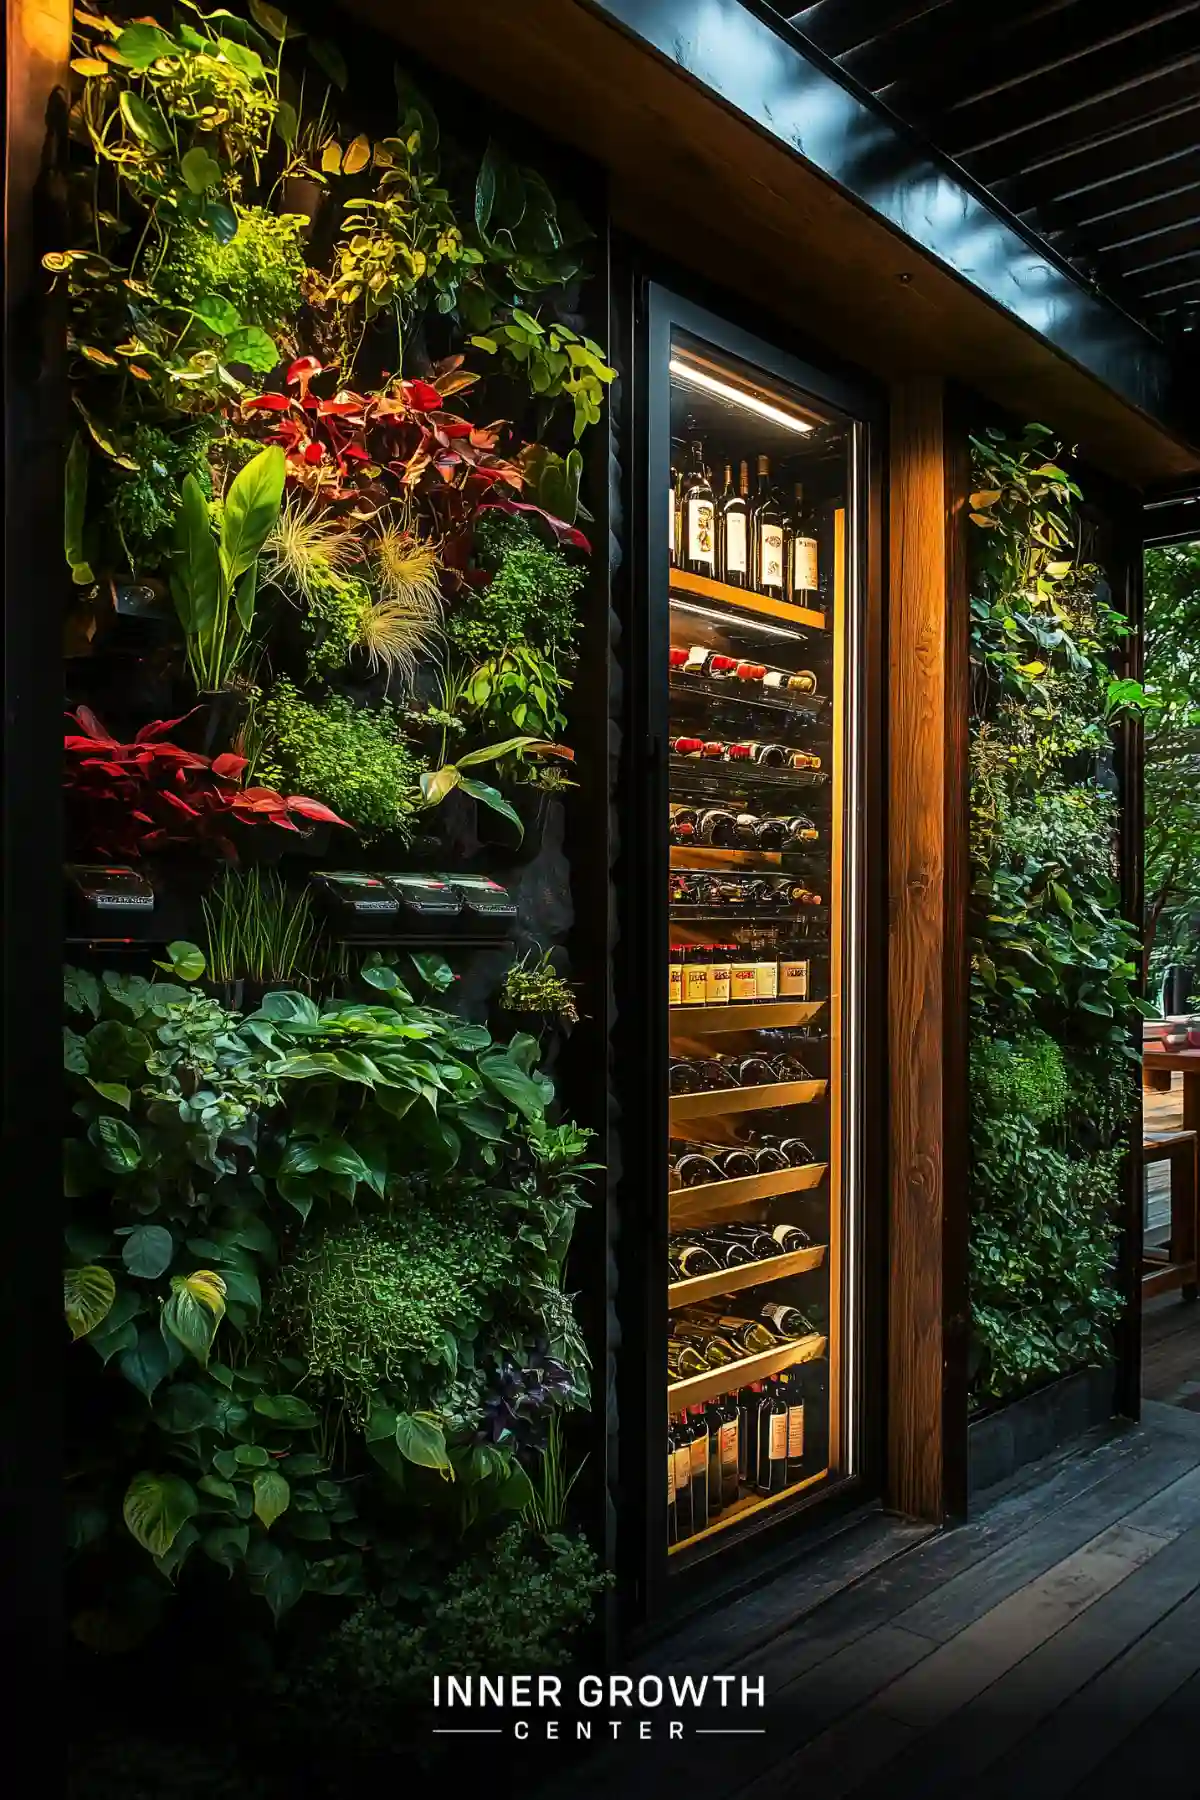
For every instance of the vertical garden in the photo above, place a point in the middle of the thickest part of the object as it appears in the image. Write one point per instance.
(326, 546)
(1053, 964)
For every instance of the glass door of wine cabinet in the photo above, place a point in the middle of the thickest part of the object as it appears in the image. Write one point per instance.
(762, 500)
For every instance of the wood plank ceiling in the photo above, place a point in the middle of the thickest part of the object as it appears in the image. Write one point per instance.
(1082, 119)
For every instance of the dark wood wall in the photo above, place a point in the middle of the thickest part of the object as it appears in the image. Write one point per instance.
(927, 885)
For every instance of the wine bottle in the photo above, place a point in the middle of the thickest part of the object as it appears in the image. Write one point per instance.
(730, 1448)
(793, 978)
(695, 1169)
(797, 1152)
(672, 1507)
(699, 547)
(688, 1258)
(698, 1448)
(803, 829)
(787, 1322)
(803, 759)
(754, 1239)
(683, 1477)
(695, 975)
(686, 746)
(750, 671)
(673, 526)
(735, 519)
(684, 1360)
(747, 1407)
(748, 1336)
(714, 1347)
(793, 1385)
(772, 1440)
(789, 1238)
(767, 535)
(713, 1422)
(714, 663)
(804, 578)
(798, 893)
(717, 827)
(779, 681)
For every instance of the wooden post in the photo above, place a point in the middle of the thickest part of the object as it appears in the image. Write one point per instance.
(927, 859)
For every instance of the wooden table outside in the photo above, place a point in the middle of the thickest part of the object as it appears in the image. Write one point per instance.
(1188, 1063)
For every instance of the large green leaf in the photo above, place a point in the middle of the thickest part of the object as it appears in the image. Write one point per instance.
(75, 511)
(287, 1409)
(244, 596)
(420, 1439)
(284, 1583)
(503, 1075)
(251, 345)
(120, 1145)
(196, 574)
(217, 313)
(156, 1508)
(226, 1544)
(145, 121)
(194, 1310)
(251, 509)
(201, 172)
(148, 1251)
(433, 969)
(146, 1363)
(141, 45)
(272, 1494)
(88, 1295)
(493, 799)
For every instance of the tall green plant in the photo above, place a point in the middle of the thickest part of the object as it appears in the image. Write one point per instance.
(214, 582)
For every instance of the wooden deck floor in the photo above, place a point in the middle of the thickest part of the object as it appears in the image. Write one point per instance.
(1050, 1648)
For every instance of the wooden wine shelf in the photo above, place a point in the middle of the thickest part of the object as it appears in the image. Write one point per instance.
(699, 587)
(712, 1199)
(743, 1509)
(715, 1382)
(745, 1099)
(756, 1274)
(751, 1015)
(705, 857)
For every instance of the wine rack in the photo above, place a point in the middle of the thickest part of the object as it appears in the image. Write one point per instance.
(716, 1102)
(715, 1382)
(749, 1503)
(756, 1274)
(713, 1199)
(706, 775)
(745, 600)
(752, 1015)
(804, 709)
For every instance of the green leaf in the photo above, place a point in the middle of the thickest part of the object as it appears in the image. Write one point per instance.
(200, 170)
(287, 1409)
(121, 1147)
(250, 1456)
(88, 1295)
(148, 1251)
(185, 1408)
(75, 511)
(500, 1072)
(251, 509)
(437, 783)
(284, 1583)
(271, 1496)
(385, 978)
(195, 575)
(433, 969)
(494, 800)
(141, 45)
(244, 597)
(420, 1439)
(221, 220)
(330, 61)
(194, 1311)
(275, 23)
(113, 1091)
(156, 1508)
(287, 125)
(145, 122)
(185, 961)
(226, 1544)
(217, 313)
(254, 347)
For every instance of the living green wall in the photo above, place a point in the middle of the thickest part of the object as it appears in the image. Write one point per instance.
(1053, 965)
(326, 547)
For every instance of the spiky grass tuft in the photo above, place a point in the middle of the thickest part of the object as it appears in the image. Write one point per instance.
(306, 549)
(404, 620)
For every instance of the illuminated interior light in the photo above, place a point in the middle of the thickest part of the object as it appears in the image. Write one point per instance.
(749, 402)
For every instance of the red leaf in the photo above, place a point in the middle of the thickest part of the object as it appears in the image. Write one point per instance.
(180, 805)
(314, 809)
(267, 403)
(260, 799)
(421, 397)
(160, 727)
(566, 534)
(228, 766)
(355, 452)
(455, 428)
(87, 721)
(302, 371)
(142, 818)
(313, 453)
(340, 407)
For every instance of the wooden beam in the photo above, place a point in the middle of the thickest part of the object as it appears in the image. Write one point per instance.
(927, 832)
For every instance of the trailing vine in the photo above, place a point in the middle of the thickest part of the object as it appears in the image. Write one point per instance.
(1053, 964)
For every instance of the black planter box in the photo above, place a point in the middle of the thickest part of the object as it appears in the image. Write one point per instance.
(1001, 1442)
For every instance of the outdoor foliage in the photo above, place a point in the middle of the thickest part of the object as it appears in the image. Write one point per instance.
(1172, 591)
(1053, 965)
(322, 503)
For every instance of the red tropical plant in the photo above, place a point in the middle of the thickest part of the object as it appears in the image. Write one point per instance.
(129, 800)
(369, 449)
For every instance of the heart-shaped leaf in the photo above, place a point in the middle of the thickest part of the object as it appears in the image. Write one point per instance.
(156, 1508)
(148, 1251)
(88, 1295)
(272, 1495)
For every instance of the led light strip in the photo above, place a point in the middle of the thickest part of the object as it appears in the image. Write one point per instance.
(749, 402)
(728, 619)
